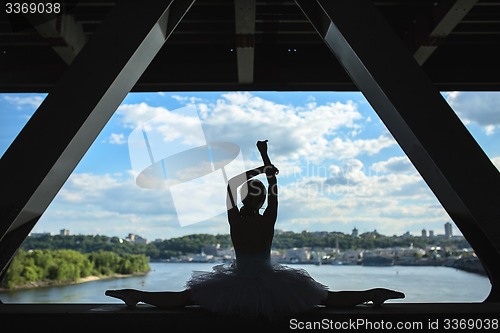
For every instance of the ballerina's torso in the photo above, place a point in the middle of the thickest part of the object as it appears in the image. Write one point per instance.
(251, 233)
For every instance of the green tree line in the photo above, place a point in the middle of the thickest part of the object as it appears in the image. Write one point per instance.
(62, 266)
(155, 250)
(288, 240)
(194, 243)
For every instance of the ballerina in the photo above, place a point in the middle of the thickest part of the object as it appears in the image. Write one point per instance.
(252, 285)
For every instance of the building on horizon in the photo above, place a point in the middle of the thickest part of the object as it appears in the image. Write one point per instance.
(136, 239)
(64, 232)
(320, 234)
(424, 233)
(355, 233)
(297, 254)
(370, 234)
(448, 232)
(431, 233)
(210, 249)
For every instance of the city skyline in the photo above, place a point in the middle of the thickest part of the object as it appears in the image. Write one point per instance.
(354, 233)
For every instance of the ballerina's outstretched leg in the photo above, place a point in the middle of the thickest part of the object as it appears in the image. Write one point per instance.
(126, 295)
(351, 298)
(161, 299)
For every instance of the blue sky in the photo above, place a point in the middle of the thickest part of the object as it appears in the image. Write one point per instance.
(339, 166)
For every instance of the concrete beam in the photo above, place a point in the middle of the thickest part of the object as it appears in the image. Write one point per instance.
(447, 157)
(62, 32)
(244, 15)
(430, 34)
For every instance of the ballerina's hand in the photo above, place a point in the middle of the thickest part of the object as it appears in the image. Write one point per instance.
(262, 146)
(271, 170)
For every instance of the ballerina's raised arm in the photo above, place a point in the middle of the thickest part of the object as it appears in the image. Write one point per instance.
(268, 168)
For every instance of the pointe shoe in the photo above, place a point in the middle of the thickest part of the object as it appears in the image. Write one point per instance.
(123, 294)
(380, 295)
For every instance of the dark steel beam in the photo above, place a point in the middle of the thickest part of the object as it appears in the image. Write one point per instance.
(450, 161)
(65, 125)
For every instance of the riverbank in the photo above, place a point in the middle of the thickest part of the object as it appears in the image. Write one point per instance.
(49, 283)
(468, 264)
(471, 265)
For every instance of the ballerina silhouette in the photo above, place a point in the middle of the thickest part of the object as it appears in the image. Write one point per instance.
(253, 285)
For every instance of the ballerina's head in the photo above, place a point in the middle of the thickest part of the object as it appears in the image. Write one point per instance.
(253, 194)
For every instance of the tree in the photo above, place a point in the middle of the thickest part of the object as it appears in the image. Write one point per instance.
(68, 265)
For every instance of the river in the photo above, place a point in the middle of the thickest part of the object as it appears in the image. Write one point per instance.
(420, 284)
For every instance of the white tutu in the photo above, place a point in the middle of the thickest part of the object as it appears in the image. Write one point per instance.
(253, 286)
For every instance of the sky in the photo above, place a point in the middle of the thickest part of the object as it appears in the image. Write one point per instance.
(339, 166)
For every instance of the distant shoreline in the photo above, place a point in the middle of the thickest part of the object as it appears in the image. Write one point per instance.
(90, 278)
(470, 265)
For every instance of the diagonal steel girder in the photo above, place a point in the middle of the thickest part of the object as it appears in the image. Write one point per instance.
(58, 135)
(448, 158)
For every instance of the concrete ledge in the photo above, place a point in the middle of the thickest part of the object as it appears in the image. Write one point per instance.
(105, 317)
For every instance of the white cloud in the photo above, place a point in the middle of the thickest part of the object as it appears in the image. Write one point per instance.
(481, 108)
(345, 149)
(22, 101)
(350, 174)
(398, 164)
(353, 179)
(304, 207)
(113, 204)
(387, 195)
(116, 139)
(112, 223)
(117, 193)
(186, 99)
(348, 195)
(391, 202)
(313, 132)
(489, 129)
(408, 212)
(347, 192)
(159, 133)
(170, 125)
